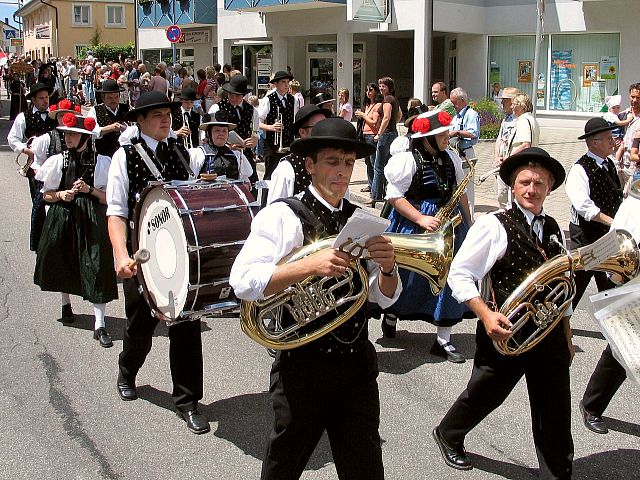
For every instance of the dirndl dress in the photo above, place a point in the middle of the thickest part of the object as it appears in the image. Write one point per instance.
(74, 254)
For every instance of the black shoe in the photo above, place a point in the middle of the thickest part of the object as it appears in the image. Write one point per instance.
(67, 314)
(196, 422)
(595, 423)
(126, 389)
(452, 356)
(103, 337)
(388, 330)
(454, 457)
(365, 189)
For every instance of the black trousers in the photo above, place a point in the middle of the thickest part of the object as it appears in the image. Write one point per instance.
(546, 369)
(271, 158)
(604, 383)
(185, 348)
(313, 392)
(38, 212)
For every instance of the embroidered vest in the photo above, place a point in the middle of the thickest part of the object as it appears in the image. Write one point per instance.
(108, 144)
(193, 121)
(220, 160)
(244, 122)
(432, 179)
(35, 126)
(302, 177)
(275, 107)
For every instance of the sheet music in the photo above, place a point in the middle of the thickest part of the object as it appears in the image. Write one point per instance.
(594, 254)
(359, 228)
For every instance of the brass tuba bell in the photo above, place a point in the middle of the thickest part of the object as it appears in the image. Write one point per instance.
(538, 304)
(307, 302)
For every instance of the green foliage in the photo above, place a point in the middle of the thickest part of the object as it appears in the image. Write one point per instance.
(490, 131)
(105, 52)
(490, 117)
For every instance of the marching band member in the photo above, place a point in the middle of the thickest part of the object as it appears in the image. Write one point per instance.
(420, 182)
(129, 175)
(186, 121)
(507, 246)
(290, 176)
(306, 381)
(110, 118)
(276, 115)
(32, 123)
(216, 156)
(74, 254)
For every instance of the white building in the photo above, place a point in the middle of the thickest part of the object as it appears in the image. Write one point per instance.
(588, 49)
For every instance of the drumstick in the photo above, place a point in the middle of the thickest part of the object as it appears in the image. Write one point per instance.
(141, 256)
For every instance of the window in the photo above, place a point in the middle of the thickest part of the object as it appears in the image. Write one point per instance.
(81, 49)
(81, 15)
(114, 16)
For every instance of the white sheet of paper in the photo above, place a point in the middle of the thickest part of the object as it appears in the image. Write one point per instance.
(359, 228)
(597, 252)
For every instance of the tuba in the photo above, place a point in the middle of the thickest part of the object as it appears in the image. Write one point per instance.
(538, 304)
(307, 302)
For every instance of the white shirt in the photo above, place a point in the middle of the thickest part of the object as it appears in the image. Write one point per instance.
(525, 129)
(628, 217)
(400, 144)
(97, 130)
(197, 159)
(283, 182)
(15, 139)
(264, 106)
(486, 243)
(51, 173)
(349, 111)
(275, 232)
(402, 167)
(577, 188)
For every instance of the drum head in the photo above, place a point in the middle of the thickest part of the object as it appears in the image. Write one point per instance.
(166, 274)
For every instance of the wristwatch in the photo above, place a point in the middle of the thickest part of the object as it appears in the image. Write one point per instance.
(392, 272)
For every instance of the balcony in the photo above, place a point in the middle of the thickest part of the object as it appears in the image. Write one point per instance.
(278, 5)
(162, 13)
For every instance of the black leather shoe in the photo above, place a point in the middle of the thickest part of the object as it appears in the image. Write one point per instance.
(126, 389)
(595, 423)
(388, 330)
(67, 314)
(452, 356)
(103, 337)
(196, 421)
(454, 457)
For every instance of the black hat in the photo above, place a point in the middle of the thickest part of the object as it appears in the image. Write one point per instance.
(220, 118)
(413, 113)
(238, 85)
(322, 98)
(280, 75)
(110, 86)
(149, 101)
(38, 87)
(536, 155)
(333, 132)
(188, 93)
(305, 113)
(596, 125)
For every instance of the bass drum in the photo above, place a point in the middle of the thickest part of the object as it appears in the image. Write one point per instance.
(194, 231)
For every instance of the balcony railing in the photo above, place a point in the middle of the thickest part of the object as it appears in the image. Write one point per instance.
(275, 5)
(162, 13)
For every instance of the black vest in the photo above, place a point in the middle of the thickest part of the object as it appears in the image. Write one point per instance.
(35, 126)
(244, 122)
(139, 174)
(275, 107)
(193, 120)
(56, 142)
(108, 144)
(220, 160)
(435, 178)
(302, 177)
(75, 167)
(352, 335)
(605, 191)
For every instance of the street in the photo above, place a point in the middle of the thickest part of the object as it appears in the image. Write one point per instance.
(61, 417)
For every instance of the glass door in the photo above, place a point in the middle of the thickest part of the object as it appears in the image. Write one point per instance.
(322, 72)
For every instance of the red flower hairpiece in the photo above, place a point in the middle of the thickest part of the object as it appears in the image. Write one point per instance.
(444, 118)
(69, 120)
(89, 123)
(78, 108)
(53, 108)
(421, 125)
(64, 104)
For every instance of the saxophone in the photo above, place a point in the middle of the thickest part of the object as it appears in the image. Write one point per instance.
(445, 212)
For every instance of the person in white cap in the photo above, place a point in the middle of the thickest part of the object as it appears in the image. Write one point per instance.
(614, 117)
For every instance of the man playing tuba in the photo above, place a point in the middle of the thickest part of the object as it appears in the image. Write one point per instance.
(507, 246)
(330, 383)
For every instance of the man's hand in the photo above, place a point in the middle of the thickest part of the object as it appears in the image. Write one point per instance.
(183, 132)
(496, 325)
(251, 142)
(428, 223)
(277, 127)
(330, 262)
(381, 251)
(124, 269)
(28, 152)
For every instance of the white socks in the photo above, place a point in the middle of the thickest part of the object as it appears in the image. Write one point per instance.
(66, 300)
(98, 311)
(390, 319)
(444, 337)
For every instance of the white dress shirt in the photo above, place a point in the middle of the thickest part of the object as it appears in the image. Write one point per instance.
(40, 147)
(283, 182)
(197, 159)
(628, 217)
(275, 232)
(16, 139)
(51, 173)
(577, 188)
(402, 167)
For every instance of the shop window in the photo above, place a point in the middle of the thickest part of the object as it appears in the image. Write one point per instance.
(322, 47)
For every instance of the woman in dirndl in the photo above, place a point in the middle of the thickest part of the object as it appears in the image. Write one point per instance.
(74, 254)
(420, 182)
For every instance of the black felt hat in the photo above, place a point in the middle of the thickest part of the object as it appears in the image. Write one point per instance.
(413, 113)
(306, 112)
(188, 93)
(595, 126)
(332, 132)
(280, 75)
(149, 101)
(38, 87)
(110, 86)
(535, 155)
(238, 85)
(322, 98)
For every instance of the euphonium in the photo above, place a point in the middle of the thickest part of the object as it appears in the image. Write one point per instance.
(307, 302)
(538, 304)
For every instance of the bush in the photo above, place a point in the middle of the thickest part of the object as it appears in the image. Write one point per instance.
(490, 117)
(105, 52)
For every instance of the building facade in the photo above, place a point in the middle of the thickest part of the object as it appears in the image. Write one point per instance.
(63, 28)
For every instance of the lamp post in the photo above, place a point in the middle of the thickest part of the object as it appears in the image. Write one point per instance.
(536, 56)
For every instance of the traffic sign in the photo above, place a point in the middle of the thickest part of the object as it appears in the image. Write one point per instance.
(174, 33)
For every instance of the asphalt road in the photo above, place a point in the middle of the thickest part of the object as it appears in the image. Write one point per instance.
(61, 418)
